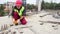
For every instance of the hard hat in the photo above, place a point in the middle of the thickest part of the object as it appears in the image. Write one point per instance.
(18, 2)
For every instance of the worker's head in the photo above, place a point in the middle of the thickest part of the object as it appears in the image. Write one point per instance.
(18, 3)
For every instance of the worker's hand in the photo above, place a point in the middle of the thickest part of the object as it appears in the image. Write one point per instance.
(22, 17)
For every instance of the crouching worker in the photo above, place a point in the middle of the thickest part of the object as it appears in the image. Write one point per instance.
(19, 13)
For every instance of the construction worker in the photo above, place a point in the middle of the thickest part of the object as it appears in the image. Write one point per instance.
(19, 13)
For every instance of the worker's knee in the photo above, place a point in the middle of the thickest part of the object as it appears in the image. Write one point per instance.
(16, 16)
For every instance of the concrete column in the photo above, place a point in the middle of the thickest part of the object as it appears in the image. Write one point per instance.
(39, 5)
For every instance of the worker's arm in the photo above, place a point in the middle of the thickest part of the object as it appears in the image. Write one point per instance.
(12, 13)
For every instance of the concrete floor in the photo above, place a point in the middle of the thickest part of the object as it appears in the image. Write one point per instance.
(37, 27)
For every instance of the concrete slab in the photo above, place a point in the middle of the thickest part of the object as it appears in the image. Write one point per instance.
(46, 28)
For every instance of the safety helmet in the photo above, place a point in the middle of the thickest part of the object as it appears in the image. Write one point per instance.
(18, 2)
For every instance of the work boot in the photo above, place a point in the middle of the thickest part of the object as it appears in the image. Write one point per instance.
(16, 24)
